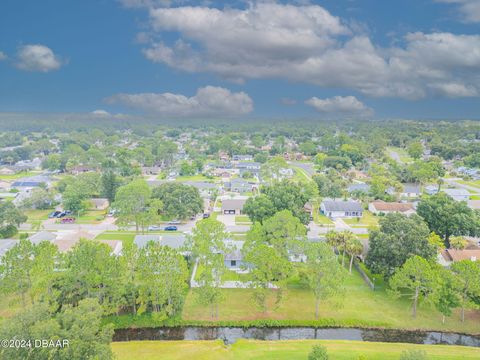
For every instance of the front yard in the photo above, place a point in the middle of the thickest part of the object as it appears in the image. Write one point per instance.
(367, 220)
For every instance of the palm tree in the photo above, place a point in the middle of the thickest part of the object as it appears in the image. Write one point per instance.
(354, 248)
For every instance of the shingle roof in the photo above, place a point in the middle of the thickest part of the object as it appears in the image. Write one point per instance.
(459, 255)
(233, 203)
(342, 205)
(142, 240)
(392, 206)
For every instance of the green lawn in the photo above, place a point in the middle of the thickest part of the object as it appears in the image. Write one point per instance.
(125, 237)
(367, 220)
(301, 174)
(91, 217)
(229, 275)
(474, 183)
(320, 219)
(242, 220)
(475, 197)
(19, 175)
(37, 215)
(198, 177)
(358, 306)
(279, 350)
(402, 153)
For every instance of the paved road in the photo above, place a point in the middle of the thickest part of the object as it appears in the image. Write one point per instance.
(453, 182)
(394, 155)
(308, 167)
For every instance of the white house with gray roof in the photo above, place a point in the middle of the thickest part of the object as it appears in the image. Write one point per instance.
(341, 208)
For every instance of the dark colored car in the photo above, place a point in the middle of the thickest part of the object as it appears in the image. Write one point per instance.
(53, 214)
(62, 214)
(171, 228)
(206, 215)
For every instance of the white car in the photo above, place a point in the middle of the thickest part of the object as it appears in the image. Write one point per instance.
(155, 228)
(174, 222)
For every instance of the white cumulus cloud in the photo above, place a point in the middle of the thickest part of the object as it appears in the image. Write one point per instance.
(37, 58)
(345, 106)
(305, 43)
(209, 101)
(101, 113)
(469, 9)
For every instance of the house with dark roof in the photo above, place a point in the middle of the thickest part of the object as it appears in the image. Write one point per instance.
(358, 188)
(341, 208)
(239, 185)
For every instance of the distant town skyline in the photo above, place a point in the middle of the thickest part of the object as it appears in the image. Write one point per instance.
(236, 59)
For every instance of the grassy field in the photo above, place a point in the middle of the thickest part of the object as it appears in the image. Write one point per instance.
(37, 215)
(320, 219)
(474, 183)
(358, 306)
(402, 153)
(91, 217)
(199, 177)
(278, 350)
(19, 175)
(367, 220)
(242, 220)
(229, 275)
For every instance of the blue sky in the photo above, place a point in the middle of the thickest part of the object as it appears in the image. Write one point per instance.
(289, 59)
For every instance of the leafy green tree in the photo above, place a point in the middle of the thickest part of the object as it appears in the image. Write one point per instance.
(415, 150)
(340, 241)
(269, 270)
(10, 218)
(129, 275)
(179, 201)
(91, 272)
(320, 159)
(74, 199)
(259, 208)
(15, 270)
(44, 273)
(468, 274)
(324, 274)
(271, 169)
(447, 295)
(261, 157)
(416, 279)
(329, 187)
(436, 241)
(308, 147)
(80, 325)
(39, 199)
(448, 217)
(162, 278)
(134, 204)
(398, 238)
(110, 184)
(207, 246)
(286, 195)
(458, 242)
(318, 352)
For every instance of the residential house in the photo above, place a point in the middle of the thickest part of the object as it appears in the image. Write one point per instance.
(457, 194)
(142, 240)
(242, 158)
(81, 169)
(358, 188)
(411, 190)
(341, 208)
(239, 185)
(151, 170)
(381, 207)
(449, 256)
(206, 188)
(99, 203)
(252, 167)
(233, 257)
(64, 245)
(431, 189)
(233, 206)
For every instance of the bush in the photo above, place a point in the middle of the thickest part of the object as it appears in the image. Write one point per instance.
(318, 352)
(8, 231)
(413, 355)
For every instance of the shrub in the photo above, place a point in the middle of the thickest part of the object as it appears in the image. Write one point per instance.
(413, 355)
(8, 231)
(318, 352)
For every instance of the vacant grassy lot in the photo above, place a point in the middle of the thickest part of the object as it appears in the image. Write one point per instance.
(124, 236)
(19, 175)
(91, 217)
(357, 306)
(402, 154)
(475, 183)
(367, 220)
(278, 350)
(199, 177)
(37, 215)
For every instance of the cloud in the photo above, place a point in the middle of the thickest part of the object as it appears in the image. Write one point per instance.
(3, 56)
(469, 9)
(208, 101)
(308, 44)
(101, 113)
(288, 101)
(345, 106)
(37, 58)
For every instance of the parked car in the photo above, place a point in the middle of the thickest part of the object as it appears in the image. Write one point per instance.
(67, 220)
(62, 214)
(171, 228)
(206, 215)
(154, 228)
(53, 214)
(174, 222)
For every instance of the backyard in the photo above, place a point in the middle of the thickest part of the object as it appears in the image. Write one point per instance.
(284, 349)
(358, 306)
